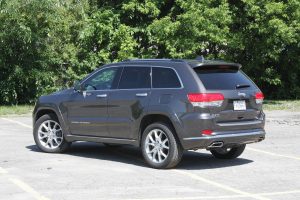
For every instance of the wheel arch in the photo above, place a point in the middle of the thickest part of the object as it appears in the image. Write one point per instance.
(44, 111)
(157, 117)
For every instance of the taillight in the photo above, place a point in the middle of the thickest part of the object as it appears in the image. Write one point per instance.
(206, 132)
(204, 100)
(259, 97)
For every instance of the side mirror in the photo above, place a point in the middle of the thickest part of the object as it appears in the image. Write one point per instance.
(77, 86)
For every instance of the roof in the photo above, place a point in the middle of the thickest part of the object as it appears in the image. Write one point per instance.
(199, 63)
(192, 62)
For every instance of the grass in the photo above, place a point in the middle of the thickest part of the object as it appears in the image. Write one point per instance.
(15, 110)
(287, 105)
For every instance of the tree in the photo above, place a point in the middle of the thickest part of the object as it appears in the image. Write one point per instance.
(47, 44)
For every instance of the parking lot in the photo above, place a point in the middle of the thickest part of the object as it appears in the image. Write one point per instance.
(266, 170)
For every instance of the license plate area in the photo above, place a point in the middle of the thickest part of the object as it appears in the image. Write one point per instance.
(239, 105)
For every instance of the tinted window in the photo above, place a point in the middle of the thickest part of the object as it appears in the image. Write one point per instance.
(135, 77)
(164, 78)
(104, 79)
(224, 79)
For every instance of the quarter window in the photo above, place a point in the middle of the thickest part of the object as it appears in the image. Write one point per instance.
(164, 78)
(135, 77)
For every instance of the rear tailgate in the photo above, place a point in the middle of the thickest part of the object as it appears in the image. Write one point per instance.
(240, 109)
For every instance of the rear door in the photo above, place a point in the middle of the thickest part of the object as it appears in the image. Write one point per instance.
(128, 102)
(239, 109)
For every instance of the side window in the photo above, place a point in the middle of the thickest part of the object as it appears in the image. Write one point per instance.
(164, 78)
(135, 77)
(104, 80)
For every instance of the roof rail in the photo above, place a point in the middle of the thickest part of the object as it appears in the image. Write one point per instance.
(153, 59)
(177, 60)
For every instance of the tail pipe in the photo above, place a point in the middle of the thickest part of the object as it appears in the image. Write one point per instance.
(216, 145)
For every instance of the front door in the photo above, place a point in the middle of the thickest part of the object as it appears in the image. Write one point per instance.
(87, 109)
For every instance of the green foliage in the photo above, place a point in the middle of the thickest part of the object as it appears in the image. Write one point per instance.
(265, 39)
(47, 44)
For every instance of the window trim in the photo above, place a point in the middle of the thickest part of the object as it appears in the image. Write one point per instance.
(123, 66)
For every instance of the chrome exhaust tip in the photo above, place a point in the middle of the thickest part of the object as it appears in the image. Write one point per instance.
(216, 145)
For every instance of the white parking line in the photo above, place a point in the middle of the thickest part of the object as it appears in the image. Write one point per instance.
(16, 122)
(27, 189)
(273, 154)
(219, 185)
(22, 185)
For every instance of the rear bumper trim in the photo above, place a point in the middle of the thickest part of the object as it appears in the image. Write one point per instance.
(228, 138)
(242, 123)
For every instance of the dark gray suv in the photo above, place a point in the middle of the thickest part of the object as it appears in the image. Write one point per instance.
(163, 106)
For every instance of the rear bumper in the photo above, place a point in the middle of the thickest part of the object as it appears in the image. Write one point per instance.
(228, 138)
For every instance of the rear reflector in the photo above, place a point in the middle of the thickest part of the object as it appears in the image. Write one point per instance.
(206, 132)
(259, 97)
(204, 100)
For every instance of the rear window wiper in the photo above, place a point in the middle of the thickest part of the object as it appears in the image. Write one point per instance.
(238, 86)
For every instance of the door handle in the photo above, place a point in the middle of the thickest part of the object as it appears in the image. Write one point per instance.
(141, 94)
(101, 95)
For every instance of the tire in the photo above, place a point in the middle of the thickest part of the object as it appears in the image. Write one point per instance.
(232, 153)
(42, 135)
(155, 148)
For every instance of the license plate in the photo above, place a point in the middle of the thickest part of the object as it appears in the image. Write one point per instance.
(239, 105)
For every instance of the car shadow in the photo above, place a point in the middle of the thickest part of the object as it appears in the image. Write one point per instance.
(131, 155)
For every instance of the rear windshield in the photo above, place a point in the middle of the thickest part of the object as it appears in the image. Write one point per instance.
(223, 79)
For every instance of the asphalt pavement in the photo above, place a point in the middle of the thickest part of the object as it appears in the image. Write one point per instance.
(266, 170)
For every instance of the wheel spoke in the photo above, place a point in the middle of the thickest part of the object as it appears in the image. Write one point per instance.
(43, 136)
(162, 153)
(150, 144)
(159, 156)
(45, 127)
(157, 136)
(57, 130)
(164, 144)
(55, 140)
(49, 125)
(151, 139)
(151, 151)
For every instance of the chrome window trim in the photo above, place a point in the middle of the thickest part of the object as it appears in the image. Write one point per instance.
(134, 65)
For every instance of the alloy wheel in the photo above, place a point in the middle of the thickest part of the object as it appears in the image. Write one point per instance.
(157, 145)
(50, 134)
